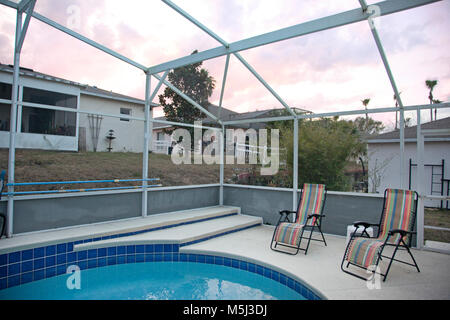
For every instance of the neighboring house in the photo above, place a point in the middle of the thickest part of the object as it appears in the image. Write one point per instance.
(383, 153)
(162, 140)
(56, 129)
(67, 131)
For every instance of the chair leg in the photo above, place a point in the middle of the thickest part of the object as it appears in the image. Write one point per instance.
(309, 239)
(391, 260)
(412, 257)
(323, 237)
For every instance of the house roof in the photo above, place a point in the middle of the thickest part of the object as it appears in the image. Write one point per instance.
(84, 88)
(411, 132)
(225, 114)
(228, 115)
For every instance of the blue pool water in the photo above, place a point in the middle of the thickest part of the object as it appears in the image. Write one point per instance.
(156, 281)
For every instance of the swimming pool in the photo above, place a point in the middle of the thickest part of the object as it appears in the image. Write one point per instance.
(156, 281)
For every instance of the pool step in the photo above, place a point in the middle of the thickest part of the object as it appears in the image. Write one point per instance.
(114, 229)
(181, 235)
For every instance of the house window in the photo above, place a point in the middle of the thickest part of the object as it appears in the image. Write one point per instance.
(125, 111)
(5, 109)
(49, 98)
(5, 91)
(45, 121)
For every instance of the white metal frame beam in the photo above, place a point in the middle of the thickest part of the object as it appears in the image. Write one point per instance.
(224, 81)
(420, 215)
(226, 45)
(9, 3)
(187, 98)
(116, 55)
(26, 6)
(87, 41)
(329, 22)
(333, 21)
(387, 67)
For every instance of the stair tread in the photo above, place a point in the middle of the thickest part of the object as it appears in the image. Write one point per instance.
(25, 241)
(180, 234)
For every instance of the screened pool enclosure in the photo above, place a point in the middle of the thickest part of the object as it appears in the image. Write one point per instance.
(156, 76)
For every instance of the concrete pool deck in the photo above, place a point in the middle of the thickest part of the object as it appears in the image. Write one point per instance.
(320, 268)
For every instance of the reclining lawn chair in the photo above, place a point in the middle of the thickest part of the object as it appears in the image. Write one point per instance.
(308, 217)
(395, 229)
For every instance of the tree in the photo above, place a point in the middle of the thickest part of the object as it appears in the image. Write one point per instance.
(196, 83)
(430, 85)
(367, 126)
(325, 147)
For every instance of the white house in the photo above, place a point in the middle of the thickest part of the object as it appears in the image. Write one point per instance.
(162, 140)
(384, 165)
(55, 129)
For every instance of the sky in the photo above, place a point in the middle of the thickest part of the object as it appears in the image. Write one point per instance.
(326, 71)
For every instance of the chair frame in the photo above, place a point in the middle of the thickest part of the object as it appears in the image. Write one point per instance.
(400, 244)
(284, 217)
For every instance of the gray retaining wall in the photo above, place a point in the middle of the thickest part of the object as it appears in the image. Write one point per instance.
(43, 213)
(341, 210)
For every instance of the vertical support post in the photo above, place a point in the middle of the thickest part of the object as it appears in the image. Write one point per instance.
(224, 81)
(376, 37)
(295, 167)
(147, 140)
(402, 148)
(19, 109)
(419, 185)
(13, 127)
(222, 164)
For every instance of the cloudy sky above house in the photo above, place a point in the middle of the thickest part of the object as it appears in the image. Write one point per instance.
(328, 71)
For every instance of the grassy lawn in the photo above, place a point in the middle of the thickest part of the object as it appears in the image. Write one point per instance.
(38, 165)
(437, 218)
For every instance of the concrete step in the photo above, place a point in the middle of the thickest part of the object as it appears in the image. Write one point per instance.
(182, 235)
(119, 228)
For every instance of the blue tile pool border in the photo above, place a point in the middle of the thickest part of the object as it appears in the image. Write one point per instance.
(21, 267)
(148, 253)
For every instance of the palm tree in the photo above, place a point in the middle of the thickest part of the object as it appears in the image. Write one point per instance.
(430, 85)
(436, 101)
(365, 102)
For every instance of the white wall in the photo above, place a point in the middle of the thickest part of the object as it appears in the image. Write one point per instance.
(389, 155)
(129, 134)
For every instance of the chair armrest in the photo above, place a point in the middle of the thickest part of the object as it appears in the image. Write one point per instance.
(364, 224)
(402, 232)
(316, 215)
(287, 212)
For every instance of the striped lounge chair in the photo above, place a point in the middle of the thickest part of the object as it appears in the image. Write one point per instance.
(308, 217)
(395, 229)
